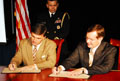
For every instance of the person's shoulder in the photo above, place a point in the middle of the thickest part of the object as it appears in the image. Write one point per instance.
(44, 12)
(61, 12)
(25, 40)
(108, 45)
(65, 14)
(105, 43)
(82, 44)
(50, 42)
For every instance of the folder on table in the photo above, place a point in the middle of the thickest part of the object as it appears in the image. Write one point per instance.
(65, 74)
(6, 70)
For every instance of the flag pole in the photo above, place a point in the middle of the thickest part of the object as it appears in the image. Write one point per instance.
(12, 16)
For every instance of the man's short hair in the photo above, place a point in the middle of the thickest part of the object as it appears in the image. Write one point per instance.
(39, 29)
(52, 0)
(98, 28)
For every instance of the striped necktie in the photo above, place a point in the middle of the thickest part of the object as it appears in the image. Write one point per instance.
(34, 53)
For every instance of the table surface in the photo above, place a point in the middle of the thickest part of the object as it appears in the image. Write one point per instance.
(43, 76)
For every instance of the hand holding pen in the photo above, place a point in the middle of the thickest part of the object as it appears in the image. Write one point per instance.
(56, 70)
(12, 66)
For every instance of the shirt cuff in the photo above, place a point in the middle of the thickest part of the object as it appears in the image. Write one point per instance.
(85, 71)
(62, 67)
(36, 68)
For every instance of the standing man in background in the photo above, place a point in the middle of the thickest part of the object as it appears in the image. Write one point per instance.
(58, 24)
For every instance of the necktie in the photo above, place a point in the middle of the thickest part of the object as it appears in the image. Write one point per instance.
(91, 55)
(52, 15)
(34, 53)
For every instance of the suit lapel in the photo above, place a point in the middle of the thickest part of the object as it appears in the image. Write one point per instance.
(98, 52)
(48, 15)
(85, 57)
(40, 50)
(29, 52)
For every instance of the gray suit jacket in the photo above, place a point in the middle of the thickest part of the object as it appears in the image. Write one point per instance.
(103, 59)
(45, 56)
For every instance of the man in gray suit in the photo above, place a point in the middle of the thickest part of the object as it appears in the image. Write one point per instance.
(95, 55)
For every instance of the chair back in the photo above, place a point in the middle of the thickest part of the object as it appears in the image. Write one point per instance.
(116, 42)
(59, 43)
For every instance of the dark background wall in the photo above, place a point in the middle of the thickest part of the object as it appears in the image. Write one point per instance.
(82, 14)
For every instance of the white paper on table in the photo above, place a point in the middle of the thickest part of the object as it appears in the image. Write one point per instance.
(65, 74)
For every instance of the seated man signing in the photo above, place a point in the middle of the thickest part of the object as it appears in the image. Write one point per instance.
(95, 55)
(36, 52)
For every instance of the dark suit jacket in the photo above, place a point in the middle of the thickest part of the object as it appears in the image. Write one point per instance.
(103, 59)
(54, 28)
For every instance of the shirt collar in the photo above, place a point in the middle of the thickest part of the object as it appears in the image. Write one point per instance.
(36, 46)
(95, 48)
(51, 13)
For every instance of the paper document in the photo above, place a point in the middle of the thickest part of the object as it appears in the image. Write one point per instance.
(6, 70)
(65, 74)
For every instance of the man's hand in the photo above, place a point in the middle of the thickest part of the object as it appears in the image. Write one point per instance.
(76, 72)
(56, 70)
(12, 66)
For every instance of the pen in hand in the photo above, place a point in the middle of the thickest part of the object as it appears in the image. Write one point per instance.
(12, 66)
(56, 68)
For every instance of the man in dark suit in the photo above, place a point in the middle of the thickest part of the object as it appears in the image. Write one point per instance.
(95, 55)
(57, 23)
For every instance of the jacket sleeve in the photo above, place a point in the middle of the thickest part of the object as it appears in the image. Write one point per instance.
(72, 60)
(17, 59)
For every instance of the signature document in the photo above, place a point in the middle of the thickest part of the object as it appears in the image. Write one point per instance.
(17, 70)
(66, 74)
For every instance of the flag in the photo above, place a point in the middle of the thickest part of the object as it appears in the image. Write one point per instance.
(23, 28)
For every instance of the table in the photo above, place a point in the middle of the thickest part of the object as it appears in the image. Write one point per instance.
(43, 76)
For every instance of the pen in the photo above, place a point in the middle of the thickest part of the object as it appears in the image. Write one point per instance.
(56, 68)
(13, 67)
